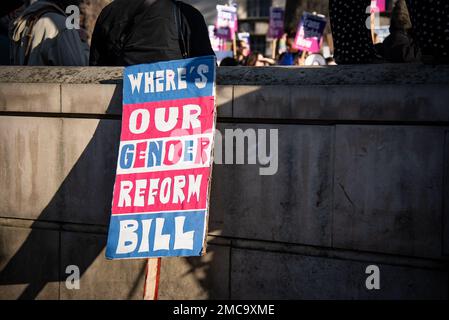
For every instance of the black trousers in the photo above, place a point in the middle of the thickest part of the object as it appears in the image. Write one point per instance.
(352, 38)
(430, 20)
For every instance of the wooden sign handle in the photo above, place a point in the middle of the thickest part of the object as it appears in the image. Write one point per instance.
(234, 45)
(373, 26)
(273, 51)
(302, 60)
(152, 275)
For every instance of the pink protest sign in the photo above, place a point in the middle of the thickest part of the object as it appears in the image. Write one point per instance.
(310, 33)
(227, 24)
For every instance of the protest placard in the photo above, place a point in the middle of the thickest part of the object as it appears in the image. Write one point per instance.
(310, 33)
(276, 26)
(214, 40)
(244, 37)
(227, 23)
(160, 199)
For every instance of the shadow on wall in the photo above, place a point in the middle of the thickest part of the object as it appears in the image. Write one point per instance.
(84, 197)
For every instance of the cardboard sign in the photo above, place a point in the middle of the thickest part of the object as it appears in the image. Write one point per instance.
(227, 24)
(214, 40)
(310, 33)
(245, 38)
(160, 202)
(276, 27)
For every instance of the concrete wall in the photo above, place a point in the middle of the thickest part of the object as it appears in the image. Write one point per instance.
(363, 179)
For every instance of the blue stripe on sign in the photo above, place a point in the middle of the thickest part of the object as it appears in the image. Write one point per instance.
(169, 80)
(137, 236)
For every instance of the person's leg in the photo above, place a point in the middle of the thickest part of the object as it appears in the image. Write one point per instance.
(352, 38)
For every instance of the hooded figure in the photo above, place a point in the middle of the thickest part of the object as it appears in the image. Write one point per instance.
(400, 46)
(40, 37)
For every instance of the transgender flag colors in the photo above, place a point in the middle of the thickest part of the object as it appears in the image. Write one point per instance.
(161, 192)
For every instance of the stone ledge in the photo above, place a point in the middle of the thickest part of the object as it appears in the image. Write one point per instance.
(336, 75)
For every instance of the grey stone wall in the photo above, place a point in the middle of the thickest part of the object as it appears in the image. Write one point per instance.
(363, 179)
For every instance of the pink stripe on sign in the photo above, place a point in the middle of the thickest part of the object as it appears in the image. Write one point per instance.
(381, 5)
(161, 191)
(378, 6)
(162, 119)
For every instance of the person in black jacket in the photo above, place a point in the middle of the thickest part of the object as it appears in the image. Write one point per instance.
(400, 45)
(129, 32)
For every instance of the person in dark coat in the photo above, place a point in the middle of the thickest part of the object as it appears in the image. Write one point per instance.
(41, 37)
(130, 32)
(400, 45)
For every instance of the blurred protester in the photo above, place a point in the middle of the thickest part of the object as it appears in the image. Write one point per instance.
(285, 59)
(40, 37)
(253, 59)
(229, 62)
(131, 32)
(290, 56)
(400, 46)
(7, 10)
(84, 37)
(243, 52)
(430, 21)
(256, 59)
(352, 39)
(90, 10)
(282, 44)
(300, 59)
